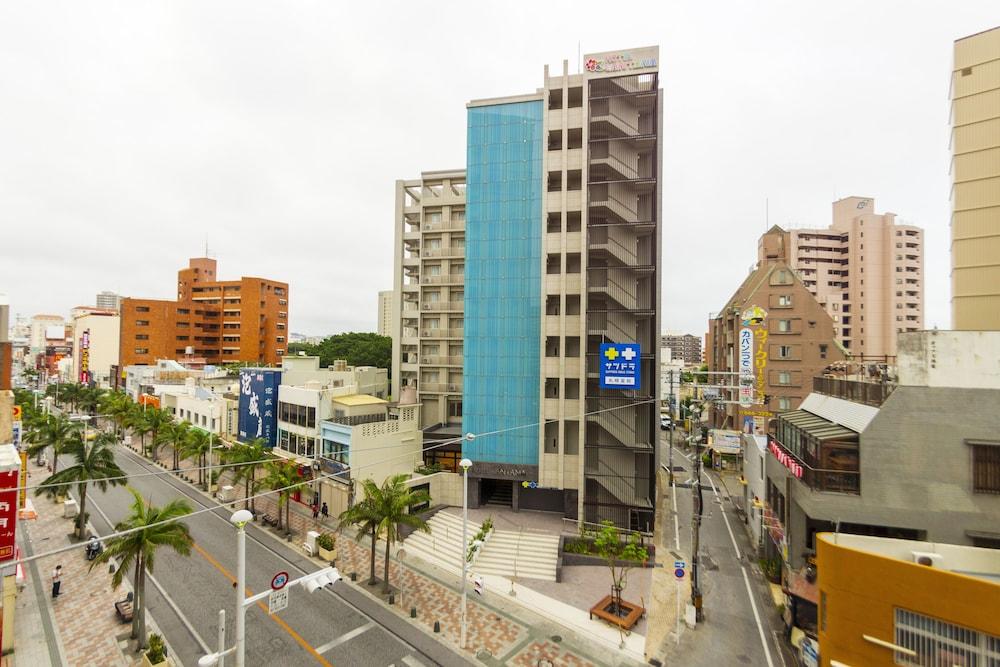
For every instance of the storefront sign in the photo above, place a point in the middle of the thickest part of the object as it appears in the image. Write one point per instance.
(617, 62)
(775, 529)
(620, 366)
(8, 512)
(785, 459)
(258, 417)
(746, 366)
(85, 357)
(23, 496)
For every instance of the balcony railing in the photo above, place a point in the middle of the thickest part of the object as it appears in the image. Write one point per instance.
(444, 252)
(441, 361)
(869, 393)
(440, 387)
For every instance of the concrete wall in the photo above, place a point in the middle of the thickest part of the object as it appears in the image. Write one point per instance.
(950, 359)
(916, 470)
(862, 590)
(382, 449)
(446, 487)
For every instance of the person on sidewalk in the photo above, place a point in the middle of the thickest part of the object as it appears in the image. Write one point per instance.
(56, 581)
(315, 509)
(325, 511)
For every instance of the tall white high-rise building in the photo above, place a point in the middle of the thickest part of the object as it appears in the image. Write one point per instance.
(385, 313)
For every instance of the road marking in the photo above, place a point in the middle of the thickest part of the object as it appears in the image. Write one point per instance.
(413, 662)
(677, 525)
(346, 637)
(170, 601)
(284, 626)
(756, 617)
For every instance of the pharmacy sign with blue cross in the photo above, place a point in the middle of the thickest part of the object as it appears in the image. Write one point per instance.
(620, 366)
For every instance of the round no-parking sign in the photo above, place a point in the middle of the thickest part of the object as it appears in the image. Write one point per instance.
(279, 581)
(679, 572)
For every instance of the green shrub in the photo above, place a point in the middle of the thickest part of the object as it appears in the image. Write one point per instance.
(326, 541)
(157, 651)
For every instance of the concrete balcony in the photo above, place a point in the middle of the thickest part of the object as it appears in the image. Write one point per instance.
(440, 388)
(443, 333)
(444, 252)
(446, 279)
(430, 360)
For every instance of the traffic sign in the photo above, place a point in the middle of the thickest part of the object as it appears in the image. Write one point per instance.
(679, 573)
(620, 365)
(679, 563)
(277, 600)
(16, 413)
(279, 580)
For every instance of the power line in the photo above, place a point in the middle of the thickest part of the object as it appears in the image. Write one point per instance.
(451, 441)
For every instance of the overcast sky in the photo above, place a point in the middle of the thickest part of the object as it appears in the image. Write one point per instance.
(133, 132)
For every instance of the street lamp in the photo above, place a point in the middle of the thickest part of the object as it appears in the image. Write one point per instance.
(311, 582)
(465, 465)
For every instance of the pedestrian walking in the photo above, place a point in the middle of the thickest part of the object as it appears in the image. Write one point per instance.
(315, 509)
(325, 511)
(56, 581)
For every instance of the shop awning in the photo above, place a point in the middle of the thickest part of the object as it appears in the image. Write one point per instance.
(817, 427)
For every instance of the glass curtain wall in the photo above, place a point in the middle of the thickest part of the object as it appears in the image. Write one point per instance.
(503, 245)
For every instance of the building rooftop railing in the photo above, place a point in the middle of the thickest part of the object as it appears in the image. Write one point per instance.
(869, 392)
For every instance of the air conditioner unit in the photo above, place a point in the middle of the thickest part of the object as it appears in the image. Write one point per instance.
(427, 306)
(453, 387)
(928, 558)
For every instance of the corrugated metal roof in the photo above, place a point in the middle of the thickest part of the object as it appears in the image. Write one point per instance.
(819, 428)
(855, 416)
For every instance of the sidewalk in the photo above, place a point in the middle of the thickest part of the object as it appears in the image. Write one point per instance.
(80, 627)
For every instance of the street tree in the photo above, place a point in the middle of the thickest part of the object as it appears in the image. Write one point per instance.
(620, 556)
(244, 459)
(150, 527)
(282, 476)
(365, 517)
(56, 432)
(174, 434)
(95, 462)
(392, 503)
(136, 421)
(157, 420)
(116, 406)
(196, 446)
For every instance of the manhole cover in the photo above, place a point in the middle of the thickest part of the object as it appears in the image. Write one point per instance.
(556, 638)
(680, 469)
(484, 654)
(544, 662)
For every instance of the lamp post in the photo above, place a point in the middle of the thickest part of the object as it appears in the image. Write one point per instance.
(465, 464)
(240, 518)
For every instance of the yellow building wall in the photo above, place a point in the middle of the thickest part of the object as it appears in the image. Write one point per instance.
(862, 589)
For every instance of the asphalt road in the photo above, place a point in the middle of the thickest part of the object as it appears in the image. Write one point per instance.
(320, 628)
(740, 620)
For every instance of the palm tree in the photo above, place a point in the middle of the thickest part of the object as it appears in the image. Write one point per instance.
(157, 420)
(243, 459)
(95, 462)
(196, 446)
(153, 527)
(55, 432)
(175, 435)
(391, 504)
(365, 517)
(90, 398)
(116, 406)
(282, 476)
(136, 421)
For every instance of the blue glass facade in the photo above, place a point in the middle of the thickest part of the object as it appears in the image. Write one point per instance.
(503, 290)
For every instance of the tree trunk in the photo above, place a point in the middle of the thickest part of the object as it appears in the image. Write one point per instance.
(371, 579)
(82, 518)
(288, 514)
(55, 460)
(385, 585)
(143, 643)
(136, 597)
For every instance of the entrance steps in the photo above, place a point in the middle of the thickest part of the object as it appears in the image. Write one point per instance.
(528, 554)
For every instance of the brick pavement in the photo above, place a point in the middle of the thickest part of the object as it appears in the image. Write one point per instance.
(84, 612)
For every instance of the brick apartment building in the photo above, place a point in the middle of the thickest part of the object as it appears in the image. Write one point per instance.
(684, 347)
(222, 321)
(773, 337)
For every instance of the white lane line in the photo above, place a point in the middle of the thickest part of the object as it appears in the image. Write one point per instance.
(677, 525)
(413, 662)
(730, 529)
(756, 617)
(346, 637)
(170, 601)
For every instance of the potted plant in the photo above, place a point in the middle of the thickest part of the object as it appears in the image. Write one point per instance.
(327, 543)
(156, 654)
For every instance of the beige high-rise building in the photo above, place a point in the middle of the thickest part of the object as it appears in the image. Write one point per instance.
(385, 313)
(428, 294)
(975, 192)
(867, 271)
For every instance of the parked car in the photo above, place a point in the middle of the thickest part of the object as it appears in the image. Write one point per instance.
(666, 423)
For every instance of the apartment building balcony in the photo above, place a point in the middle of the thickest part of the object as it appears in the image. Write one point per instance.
(571, 323)
(439, 387)
(411, 234)
(411, 261)
(450, 251)
(857, 391)
(444, 279)
(443, 225)
(443, 306)
(443, 333)
(436, 360)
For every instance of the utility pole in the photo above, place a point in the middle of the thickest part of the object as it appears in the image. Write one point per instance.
(670, 434)
(695, 412)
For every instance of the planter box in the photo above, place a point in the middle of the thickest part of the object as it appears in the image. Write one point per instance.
(167, 662)
(328, 555)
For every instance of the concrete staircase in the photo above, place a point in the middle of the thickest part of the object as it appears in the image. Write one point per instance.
(523, 555)
(531, 555)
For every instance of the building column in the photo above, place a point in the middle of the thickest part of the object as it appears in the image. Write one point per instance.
(515, 496)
